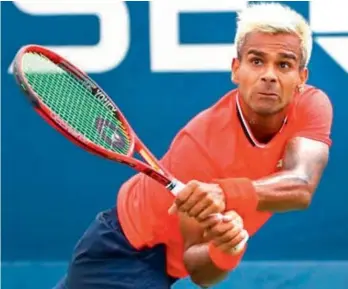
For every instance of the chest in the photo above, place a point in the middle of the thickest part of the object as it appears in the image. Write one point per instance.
(242, 159)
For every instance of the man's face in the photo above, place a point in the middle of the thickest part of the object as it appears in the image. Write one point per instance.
(269, 71)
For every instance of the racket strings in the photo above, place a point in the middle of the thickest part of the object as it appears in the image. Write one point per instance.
(75, 104)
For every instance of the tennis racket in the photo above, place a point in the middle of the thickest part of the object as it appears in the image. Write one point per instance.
(71, 102)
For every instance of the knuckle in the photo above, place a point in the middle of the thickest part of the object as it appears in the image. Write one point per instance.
(182, 208)
(215, 203)
(193, 183)
(180, 198)
(202, 192)
(186, 208)
(219, 230)
(233, 214)
(239, 239)
(231, 236)
(209, 200)
(193, 213)
(236, 232)
(201, 218)
(190, 214)
(204, 218)
(199, 194)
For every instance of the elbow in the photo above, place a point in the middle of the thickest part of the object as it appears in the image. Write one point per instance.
(304, 194)
(305, 199)
(198, 278)
(206, 279)
(203, 276)
(304, 204)
(202, 282)
(198, 281)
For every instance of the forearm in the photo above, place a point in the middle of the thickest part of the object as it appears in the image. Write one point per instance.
(284, 191)
(201, 268)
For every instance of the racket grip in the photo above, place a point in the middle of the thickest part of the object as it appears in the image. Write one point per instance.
(176, 186)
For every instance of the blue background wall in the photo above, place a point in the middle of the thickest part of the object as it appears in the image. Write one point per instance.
(51, 189)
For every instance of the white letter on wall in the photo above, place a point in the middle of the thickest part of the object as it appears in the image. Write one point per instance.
(168, 55)
(114, 32)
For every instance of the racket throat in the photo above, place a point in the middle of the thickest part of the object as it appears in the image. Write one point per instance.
(150, 161)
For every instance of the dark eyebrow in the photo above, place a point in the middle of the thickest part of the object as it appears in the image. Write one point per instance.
(291, 56)
(286, 55)
(256, 52)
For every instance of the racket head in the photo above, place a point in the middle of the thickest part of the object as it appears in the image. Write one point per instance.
(34, 64)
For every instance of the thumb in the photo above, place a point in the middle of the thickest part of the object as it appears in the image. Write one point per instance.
(173, 209)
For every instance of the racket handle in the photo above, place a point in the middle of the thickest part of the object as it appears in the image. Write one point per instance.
(176, 186)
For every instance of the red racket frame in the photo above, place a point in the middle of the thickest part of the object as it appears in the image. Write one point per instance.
(152, 168)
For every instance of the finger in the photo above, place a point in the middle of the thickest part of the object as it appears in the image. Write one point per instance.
(241, 245)
(211, 210)
(199, 205)
(217, 232)
(236, 249)
(214, 219)
(235, 244)
(232, 214)
(210, 221)
(185, 193)
(228, 235)
(182, 197)
(173, 209)
(196, 198)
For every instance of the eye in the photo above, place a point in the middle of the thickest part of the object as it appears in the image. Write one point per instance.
(256, 61)
(284, 65)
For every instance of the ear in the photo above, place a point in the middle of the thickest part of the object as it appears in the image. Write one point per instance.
(303, 76)
(235, 70)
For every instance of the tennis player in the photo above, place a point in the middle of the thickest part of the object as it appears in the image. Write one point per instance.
(261, 149)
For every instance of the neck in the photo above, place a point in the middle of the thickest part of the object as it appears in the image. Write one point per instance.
(263, 127)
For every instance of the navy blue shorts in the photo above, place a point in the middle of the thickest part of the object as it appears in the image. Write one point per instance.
(104, 259)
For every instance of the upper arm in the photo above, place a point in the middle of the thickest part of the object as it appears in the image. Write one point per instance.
(307, 159)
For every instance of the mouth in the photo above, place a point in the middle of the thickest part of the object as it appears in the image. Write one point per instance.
(268, 95)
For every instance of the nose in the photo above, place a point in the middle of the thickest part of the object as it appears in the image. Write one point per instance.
(269, 76)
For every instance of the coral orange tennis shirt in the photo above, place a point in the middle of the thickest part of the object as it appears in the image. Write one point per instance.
(215, 144)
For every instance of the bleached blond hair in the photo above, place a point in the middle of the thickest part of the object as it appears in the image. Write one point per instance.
(273, 18)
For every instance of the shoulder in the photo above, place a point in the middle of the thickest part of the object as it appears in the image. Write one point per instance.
(312, 115)
(312, 99)
(213, 120)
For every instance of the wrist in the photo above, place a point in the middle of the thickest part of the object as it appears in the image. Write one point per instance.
(240, 193)
(223, 260)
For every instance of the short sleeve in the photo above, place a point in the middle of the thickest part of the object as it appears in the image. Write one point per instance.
(314, 117)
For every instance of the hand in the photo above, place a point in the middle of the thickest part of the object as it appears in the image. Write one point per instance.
(199, 200)
(228, 235)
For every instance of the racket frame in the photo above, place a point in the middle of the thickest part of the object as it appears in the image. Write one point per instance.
(152, 168)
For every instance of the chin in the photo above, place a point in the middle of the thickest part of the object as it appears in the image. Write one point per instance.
(267, 110)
